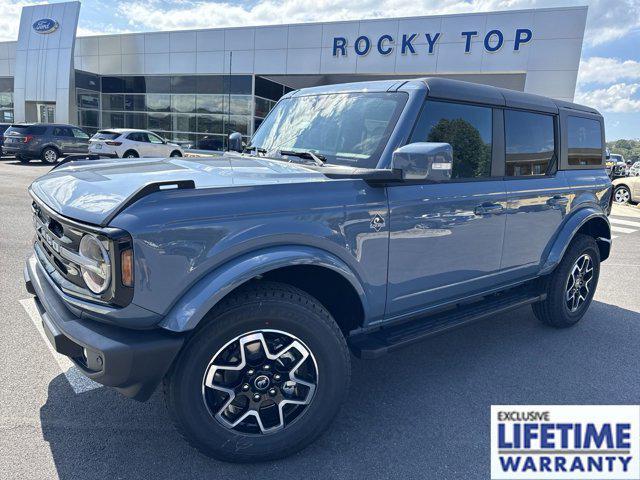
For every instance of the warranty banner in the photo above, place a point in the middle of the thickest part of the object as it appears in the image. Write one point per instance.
(565, 442)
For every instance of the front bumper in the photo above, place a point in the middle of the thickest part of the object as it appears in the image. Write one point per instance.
(132, 361)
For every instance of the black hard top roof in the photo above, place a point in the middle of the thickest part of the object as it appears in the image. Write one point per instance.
(446, 88)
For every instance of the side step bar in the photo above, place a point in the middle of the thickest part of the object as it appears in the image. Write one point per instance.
(386, 339)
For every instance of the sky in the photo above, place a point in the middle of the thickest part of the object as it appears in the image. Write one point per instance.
(609, 76)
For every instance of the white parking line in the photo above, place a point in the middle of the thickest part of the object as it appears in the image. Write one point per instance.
(79, 383)
(620, 221)
(625, 211)
(622, 229)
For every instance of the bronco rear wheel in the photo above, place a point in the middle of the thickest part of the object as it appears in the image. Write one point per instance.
(263, 378)
(570, 288)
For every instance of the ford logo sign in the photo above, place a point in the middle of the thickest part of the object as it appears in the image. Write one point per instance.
(45, 25)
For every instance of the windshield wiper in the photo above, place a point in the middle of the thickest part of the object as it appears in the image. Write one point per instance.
(317, 158)
(253, 148)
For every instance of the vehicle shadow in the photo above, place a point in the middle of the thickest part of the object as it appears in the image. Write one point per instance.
(32, 163)
(419, 412)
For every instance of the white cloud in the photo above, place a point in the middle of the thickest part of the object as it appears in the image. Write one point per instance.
(605, 71)
(9, 19)
(607, 19)
(618, 98)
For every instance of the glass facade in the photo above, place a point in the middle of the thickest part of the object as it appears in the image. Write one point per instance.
(197, 110)
(6, 99)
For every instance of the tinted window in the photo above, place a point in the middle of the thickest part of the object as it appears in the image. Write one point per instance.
(79, 133)
(584, 141)
(159, 121)
(134, 102)
(268, 89)
(530, 143)
(87, 81)
(467, 128)
(88, 118)
(158, 84)
(239, 84)
(106, 135)
(112, 85)
(158, 102)
(112, 102)
(183, 84)
(6, 84)
(137, 137)
(113, 120)
(210, 84)
(62, 132)
(37, 130)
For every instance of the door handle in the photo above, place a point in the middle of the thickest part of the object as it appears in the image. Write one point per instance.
(558, 201)
(488, 209)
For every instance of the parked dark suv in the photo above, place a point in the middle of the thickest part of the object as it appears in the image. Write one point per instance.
(48, 142)
(3, 128)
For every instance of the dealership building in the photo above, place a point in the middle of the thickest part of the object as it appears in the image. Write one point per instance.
(199, 85)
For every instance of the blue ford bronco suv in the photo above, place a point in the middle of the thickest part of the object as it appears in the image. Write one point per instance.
(363, 217)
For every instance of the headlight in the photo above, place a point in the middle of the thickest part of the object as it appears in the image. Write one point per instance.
(96, 267)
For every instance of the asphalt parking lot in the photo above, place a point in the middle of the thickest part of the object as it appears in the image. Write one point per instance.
(418, 413)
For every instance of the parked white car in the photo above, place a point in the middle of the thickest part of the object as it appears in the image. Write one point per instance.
(130, 143)
(634, 171)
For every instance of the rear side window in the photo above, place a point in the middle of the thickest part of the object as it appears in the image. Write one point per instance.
(137, 137)
(529, 143)
(26, 130)
(62, 132)
(584, 141)
(467, 128)
(37, 130)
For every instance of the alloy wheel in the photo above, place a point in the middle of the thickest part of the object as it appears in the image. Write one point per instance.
(622, 195)
(260, 382)
(50, 156)
(578, 284)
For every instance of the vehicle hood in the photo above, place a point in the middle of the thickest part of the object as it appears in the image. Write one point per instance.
(90, 191)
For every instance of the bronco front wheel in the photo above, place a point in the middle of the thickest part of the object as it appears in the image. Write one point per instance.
(263, 378)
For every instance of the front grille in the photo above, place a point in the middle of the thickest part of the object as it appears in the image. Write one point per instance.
(52, 236)
(57, 242)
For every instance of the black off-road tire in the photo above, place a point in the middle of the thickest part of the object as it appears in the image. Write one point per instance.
(554, 311)
(259, 306)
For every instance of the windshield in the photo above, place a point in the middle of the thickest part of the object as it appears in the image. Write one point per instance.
(344, 128)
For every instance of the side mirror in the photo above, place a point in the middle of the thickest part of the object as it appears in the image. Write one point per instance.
(424, 161)
(235, 142)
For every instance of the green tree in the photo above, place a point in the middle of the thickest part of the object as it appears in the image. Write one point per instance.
(471, 156)
(629, 149)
